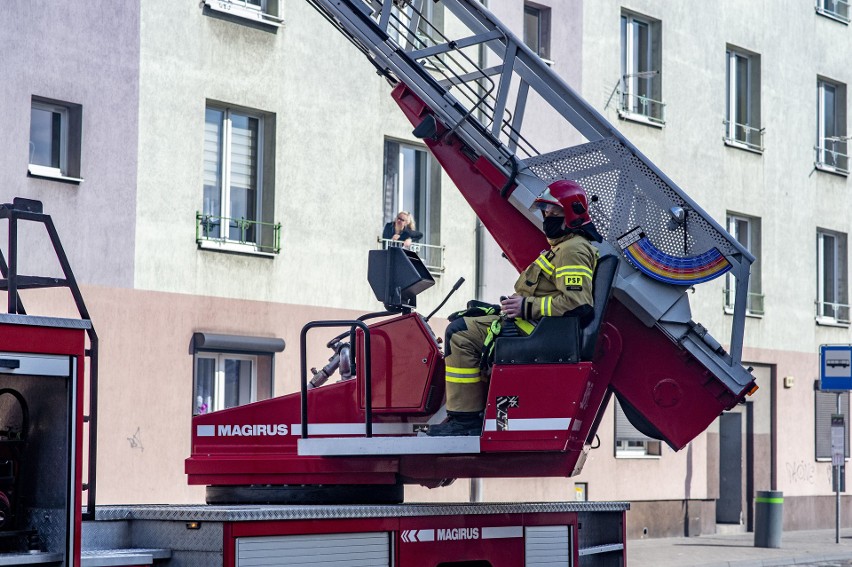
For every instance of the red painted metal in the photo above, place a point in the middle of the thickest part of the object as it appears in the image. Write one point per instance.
(407, 367)
(35, 339)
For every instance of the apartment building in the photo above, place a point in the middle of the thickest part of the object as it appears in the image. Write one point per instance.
(219, 169)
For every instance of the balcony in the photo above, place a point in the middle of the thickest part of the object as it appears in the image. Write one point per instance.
(832, 313)
(834, 9)
(831, 156)
(743, 136)
(431, 255)
(243, 235)
(754, 302)
(641, 109)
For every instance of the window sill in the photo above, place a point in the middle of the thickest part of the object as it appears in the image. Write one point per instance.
(752, 314)
(639, 456)
(829, 322)
(742, 146)
(830, 169)
(235, 247)
(641, 119)
(50, 173)
(236, 11)
(831, 16)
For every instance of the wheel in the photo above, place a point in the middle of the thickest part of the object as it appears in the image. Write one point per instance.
(306, 494)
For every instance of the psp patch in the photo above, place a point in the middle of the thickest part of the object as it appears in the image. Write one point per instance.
(574, 283)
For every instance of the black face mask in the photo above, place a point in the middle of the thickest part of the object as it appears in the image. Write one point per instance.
(553, 227)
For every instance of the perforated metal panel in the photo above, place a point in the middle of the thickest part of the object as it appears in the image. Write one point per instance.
(547, 545)
(370, 549)
(628, 195)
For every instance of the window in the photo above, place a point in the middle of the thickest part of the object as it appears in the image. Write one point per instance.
(537, 29)
(237, 205)
(832, 278)
(641, 64)
(629, 441)
(834, 9)
(831, 152)
(264, 12)
(412, 183)
(826, 405)
(55, 139)
(231, 371)
(746, 230)
(742, 106)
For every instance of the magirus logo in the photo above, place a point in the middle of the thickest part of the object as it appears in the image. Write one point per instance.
(254, 430)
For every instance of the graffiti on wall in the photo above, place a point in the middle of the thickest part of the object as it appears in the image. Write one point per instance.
(801, 472)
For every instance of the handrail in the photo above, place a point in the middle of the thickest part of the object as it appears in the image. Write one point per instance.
(837, 308)
(433, 254)
(368, 375)
(732, 137)
(840, 165)
(205, 224)
(647, 105)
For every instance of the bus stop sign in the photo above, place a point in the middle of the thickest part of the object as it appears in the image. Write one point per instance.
(835, 372)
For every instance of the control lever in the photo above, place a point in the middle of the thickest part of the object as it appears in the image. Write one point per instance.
(452, 291)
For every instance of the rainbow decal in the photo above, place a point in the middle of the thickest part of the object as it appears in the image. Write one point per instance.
(670, 269)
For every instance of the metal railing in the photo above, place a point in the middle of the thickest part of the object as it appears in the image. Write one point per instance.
(744, 135)
(830, 156)
(838, 312)
(209, 228)
(432, 255)
(639, 105)
(754, 301)
(837, 9)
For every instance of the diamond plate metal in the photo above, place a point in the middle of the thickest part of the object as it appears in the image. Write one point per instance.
(630, 194)
(204, 513)
(39, 321)
(50, 524)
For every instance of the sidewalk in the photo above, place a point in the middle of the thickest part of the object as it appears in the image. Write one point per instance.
(737, 550)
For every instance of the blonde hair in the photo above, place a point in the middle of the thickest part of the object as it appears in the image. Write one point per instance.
(410, 225)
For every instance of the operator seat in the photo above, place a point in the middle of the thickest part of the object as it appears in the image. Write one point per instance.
(558, 340)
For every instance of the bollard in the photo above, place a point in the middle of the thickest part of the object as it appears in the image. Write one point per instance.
(768, 518)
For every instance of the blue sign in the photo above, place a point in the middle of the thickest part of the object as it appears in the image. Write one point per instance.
(835, 372)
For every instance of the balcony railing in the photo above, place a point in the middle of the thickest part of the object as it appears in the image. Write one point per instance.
(830, 156)
(431, 255)
(260, 236)
(832, 312)
(743, 135)
(633, 105)
(837, 9)
(754, 302)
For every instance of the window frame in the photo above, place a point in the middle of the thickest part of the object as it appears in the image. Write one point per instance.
(633, 444)
(752, 120)
(840, 268)
(821, 9)
(630, 80)
(753, 245)
(268, 13)
(220, 378)
(839, 156)
(542, 15)
(259, 244)
(70, 130)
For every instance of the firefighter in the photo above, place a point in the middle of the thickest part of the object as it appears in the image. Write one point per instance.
(557, 283)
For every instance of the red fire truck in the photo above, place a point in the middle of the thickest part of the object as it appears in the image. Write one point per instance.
(317, 476)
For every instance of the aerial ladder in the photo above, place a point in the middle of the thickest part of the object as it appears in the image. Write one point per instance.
(466, 84)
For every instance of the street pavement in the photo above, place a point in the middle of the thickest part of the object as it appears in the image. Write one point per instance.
(801, 548)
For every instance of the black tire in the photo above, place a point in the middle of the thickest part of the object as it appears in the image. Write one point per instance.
(306, 494)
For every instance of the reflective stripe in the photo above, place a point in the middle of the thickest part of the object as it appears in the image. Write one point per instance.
(462, 375)
(545, 265)
(546, 306)
(574, 270)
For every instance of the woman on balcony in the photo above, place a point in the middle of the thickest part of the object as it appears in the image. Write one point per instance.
(402, 228)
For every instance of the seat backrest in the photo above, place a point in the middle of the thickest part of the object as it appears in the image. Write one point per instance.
(601, 289)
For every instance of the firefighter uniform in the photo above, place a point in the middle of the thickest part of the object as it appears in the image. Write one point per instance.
(558, 282)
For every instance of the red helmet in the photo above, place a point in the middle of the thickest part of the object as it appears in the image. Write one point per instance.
(571, 197)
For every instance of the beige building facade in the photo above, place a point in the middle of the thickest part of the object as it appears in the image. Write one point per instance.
(225, 166)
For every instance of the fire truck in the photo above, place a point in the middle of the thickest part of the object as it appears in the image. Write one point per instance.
(317, 476)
